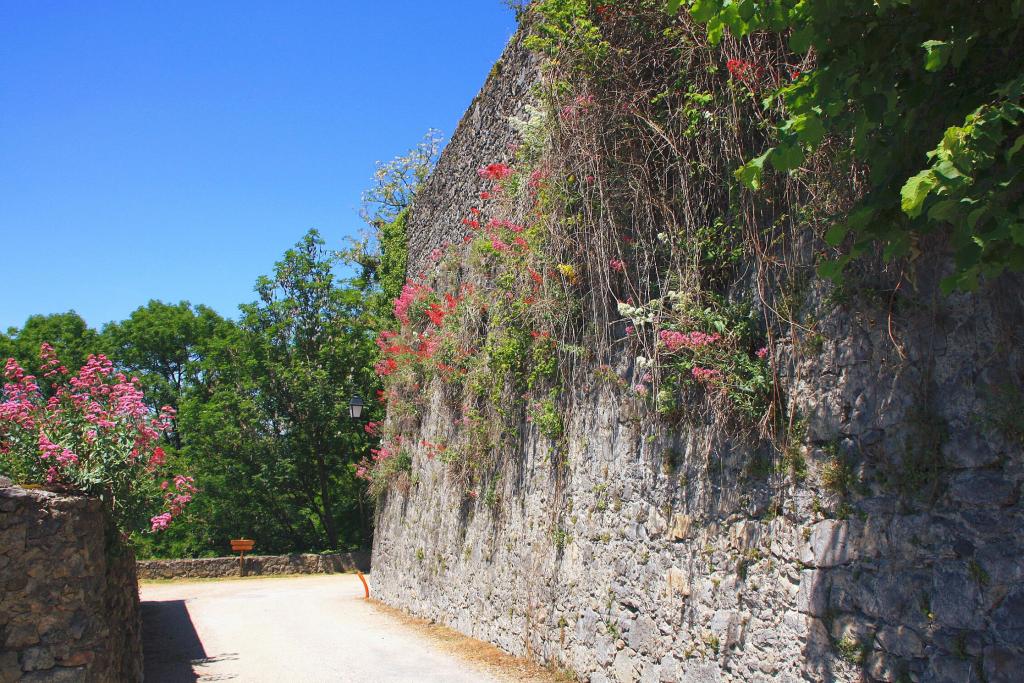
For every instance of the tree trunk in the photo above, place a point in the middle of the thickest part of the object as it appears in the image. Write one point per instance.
(366, 539)
(327, 516)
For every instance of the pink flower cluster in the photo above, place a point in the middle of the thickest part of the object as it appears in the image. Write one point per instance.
(411, 293)
(674, 340)
(176, 496)
(19, 393)
(93, 433)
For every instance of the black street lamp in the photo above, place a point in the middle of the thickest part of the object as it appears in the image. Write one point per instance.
(355, 407)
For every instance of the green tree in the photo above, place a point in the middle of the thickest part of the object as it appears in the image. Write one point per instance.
(72, 339)
(267, 430)
(314, 351)
(161, 344)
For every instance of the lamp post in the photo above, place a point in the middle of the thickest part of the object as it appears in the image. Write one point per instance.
(355, 411)
(355, 407)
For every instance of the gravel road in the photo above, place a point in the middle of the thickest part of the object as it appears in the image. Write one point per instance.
(308, 628)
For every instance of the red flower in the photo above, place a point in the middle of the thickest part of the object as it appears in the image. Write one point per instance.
(386, 367)
(495, 172)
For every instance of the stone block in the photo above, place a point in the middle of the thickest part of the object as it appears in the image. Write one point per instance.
(983, 489)
(727, 625)
(883, 667)
(37, 659)
(79, 658)
(624, 667)
(745, 535)
(694, 672)
(641, 633)
(10, 668)
(900, 641)
(651, 673)
(668, 669)
(812, 596)
(1002, 665)
(956, 598)
(953, 670)
(832, 542)
(1008, 618)
(680, 527)
(677, 583)
(656, 524)
(58, 675)
(21, 635)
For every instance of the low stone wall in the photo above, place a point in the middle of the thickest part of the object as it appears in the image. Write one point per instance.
(255, 565)
(69, 604)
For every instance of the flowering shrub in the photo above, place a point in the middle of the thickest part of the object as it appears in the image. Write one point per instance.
(91, 433)
(675, 340)
(493, 376)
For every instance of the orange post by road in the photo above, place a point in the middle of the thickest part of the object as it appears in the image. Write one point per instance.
(242, 546)
(366, 586)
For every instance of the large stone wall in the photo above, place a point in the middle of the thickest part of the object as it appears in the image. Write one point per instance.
(670, 554)
(255, 565)
(483, 136)
(69, 610)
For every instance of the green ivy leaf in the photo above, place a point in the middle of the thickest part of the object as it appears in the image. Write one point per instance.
(833, 270)
(946, 210)
(787, 157)
(703, 10)
(1017, 233)
(937, 53)
(915, 191)
(673, 6)
(1017, 145)
(716, 29)
(746, 10)
(898, 246)
(749, 173)
(809, 128)
(800, 40)
(836, 234)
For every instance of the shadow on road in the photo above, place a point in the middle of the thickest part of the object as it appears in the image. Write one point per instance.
(170, 643)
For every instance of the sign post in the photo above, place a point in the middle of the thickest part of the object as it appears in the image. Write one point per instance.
(242, 546)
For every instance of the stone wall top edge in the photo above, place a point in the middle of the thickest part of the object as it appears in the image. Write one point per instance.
(45, 497)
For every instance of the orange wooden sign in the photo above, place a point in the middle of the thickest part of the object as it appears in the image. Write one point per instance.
(242, 545)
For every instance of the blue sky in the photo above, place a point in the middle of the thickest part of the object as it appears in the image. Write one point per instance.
(174, 150)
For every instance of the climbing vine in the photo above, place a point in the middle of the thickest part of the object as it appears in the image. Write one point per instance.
(927, 95)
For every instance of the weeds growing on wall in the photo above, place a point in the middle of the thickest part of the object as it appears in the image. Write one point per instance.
(611, 245)
(680, 180)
